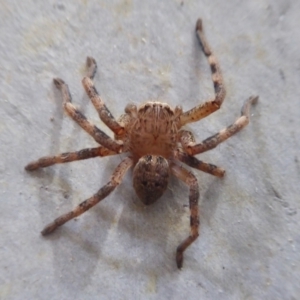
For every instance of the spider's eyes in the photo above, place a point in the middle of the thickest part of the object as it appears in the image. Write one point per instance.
(156, 184)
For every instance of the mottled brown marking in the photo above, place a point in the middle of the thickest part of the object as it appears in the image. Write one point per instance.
(203, 110)
(104, 113)
(150, 178)
(116, 178)
(226, 133)
(82, 121)
(191, 181)
(47, 161)
(91, 67)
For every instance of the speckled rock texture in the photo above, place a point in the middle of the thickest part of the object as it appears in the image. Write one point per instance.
(249, 246)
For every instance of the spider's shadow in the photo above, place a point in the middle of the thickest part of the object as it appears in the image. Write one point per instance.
(68, 247)
(152, 233)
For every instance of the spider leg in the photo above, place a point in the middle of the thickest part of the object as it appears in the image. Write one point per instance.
(198, 164)
(104, 114)
(115, 180)
(68, 157)
(185, 137)
(191, 181)
(205, 109)
(99, 136)
(224, 134)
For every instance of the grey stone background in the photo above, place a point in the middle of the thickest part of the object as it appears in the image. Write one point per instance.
(249, 246)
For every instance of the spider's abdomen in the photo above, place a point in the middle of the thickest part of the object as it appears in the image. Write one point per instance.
(154, 130)
(150, 178)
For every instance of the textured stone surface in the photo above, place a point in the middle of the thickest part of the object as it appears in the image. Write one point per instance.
(250, 243)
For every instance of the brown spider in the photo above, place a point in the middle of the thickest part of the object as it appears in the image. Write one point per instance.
(152, 136)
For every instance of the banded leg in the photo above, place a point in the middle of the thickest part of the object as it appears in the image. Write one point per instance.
(99, 136)
(47, 161)
(115, 180)
(191, 181)
(104, 114)
(205, 109)
(224, 134)
(198, 164)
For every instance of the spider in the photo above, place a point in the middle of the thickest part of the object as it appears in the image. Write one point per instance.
(151, 134)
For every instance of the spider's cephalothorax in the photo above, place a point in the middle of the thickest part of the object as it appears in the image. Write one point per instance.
(151, 129)
(156, 144)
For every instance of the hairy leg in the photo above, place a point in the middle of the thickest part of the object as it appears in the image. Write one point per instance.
(99, 136)
(104, 114)
(185, 137)
(198, 164)
(205, 109)
(224, 134)
(191, 181)
(47, 161)
(115, 180)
